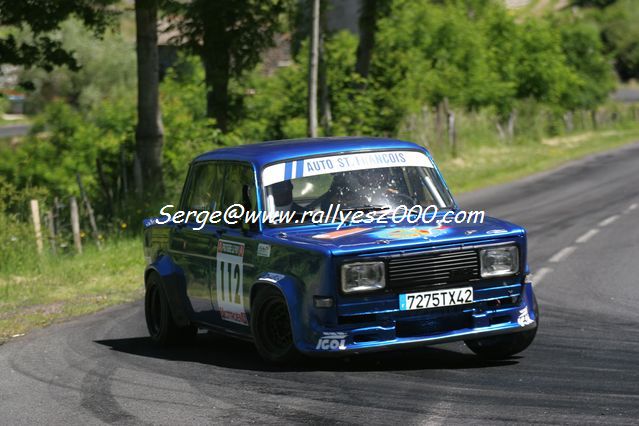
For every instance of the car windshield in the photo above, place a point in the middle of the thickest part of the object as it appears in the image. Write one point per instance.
(365, 181)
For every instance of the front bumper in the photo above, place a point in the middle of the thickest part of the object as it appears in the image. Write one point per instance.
(396, 329)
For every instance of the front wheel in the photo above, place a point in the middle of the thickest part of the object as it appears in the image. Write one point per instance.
(271, 326)
(159, 319)
(502, 346)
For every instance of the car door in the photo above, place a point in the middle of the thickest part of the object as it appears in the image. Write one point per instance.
(192, 248)
(236, 250)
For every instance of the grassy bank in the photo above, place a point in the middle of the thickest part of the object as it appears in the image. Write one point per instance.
(64, 286)
(37, 293)
(482, 166)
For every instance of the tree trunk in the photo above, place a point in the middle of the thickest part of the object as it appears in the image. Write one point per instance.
(217, 75)
(149, 133)
(313, 70)
(367, 28)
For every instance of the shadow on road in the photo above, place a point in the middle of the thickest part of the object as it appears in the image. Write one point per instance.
(221, 351)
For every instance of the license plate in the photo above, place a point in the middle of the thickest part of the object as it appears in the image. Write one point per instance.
(435, 299)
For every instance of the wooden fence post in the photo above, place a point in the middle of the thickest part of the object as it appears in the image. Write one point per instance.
(51, 225)
(75, 225)
(35, 213)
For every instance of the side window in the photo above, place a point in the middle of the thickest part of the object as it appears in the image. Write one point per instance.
(204, 191)
(239, 186)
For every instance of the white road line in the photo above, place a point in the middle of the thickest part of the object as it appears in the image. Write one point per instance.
(588, 235)
(609, 220)
(562, 254)
(631, 207)
(540, 274)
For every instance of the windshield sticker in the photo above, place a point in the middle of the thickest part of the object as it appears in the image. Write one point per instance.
(338, 234)
(342, 163)
(229, 281)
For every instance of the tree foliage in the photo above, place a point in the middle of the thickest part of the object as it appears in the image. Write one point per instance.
(107, 70)
(41, 17)
(229, 36)
(593, 76)
(620, 32)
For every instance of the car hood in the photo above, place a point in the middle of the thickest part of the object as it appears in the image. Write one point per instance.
(365, 238)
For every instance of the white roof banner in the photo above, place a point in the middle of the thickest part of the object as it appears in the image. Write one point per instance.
(342, 163)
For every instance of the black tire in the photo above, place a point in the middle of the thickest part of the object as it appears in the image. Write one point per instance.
(502, 346)
(505, 345)
(271, 327)
(159, 320)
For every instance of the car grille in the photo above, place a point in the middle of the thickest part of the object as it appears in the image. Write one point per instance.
(433, 269)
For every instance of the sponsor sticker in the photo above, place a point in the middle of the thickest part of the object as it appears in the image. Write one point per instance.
(524, 318)
(343, 163)
(229, 280)
(338, 234)
(332, 340)
(272, 277)
(264, 250)
(424, 232)
(496, 231)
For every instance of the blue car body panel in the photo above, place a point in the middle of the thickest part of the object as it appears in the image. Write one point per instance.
(302, 267)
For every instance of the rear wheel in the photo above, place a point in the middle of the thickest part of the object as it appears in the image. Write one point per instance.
(159, 320)
(271, 327)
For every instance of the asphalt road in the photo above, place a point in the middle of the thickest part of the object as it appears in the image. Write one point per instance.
(14, 130)
(583, 222)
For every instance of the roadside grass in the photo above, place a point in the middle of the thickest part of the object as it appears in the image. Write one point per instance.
(13, 119)
(487, 165)
(69, 285)
(38, 290)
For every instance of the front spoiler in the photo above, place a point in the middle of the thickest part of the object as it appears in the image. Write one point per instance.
(523, 317)
(410, 342)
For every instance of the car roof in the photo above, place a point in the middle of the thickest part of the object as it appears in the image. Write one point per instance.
(264, 153)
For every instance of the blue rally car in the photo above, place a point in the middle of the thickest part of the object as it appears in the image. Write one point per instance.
(326, 288)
